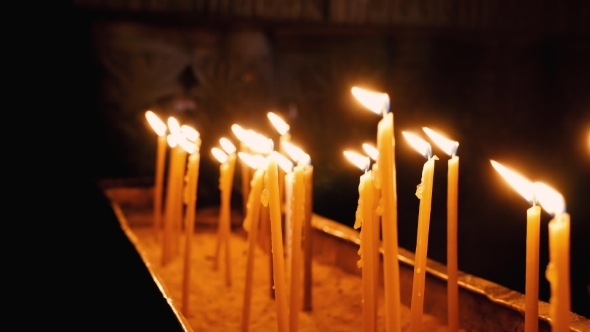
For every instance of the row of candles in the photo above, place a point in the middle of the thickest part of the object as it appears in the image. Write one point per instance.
(264, 189)
(377, 211)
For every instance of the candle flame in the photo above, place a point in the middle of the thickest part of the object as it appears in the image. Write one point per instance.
(517, 181)
(174, 126)
(157, 125)
(239, 132)
(190, 133)
(254, 161)
(258, 142)
(219, 155)
(293, 151)
(377, 102)
(281, 126)
(419, 144)
(358, 160)
(227, 145)
(549, 198)
(285, 164)
(186, 144)
(172, 141)
(371, 151)
(447, 145)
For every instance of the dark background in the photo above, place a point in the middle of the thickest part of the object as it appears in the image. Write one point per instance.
(509, 80)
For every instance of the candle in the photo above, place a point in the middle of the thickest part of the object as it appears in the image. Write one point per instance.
(283, 128)
(193, 177)
(379, 103)
(525, 188)
(251, 226)
(558, 269)
(272, 187)
(307, 241)
(179, 178)
(376, 226)
(450, 148)
(364, 219)
(160, 128)
(245, 169)
(226, 170)
(424, 193)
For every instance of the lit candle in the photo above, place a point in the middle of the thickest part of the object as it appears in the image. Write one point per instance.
(379, 103)
(251, 226)
(283, 128)
(226, 170)
(272, 188)
(558, 270)
(364, 219)
(424, 193)
(160, 128)
(376, 226)
(307, 240)
(525, 188)
(245, 169)
(193, 178)
(450, 148)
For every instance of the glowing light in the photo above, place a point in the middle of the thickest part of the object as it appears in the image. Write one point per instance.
(294, 152)
(219, 155)
(358, 160)
(448, 146)
(377, 102)
(258, 142)
(172, 141)
(281, 126)
(227, 145)
(186, 144)
(157, 125)
(517, 181)
(548, 198)
(239, 132)
(371, 151)
(251, 160)
(174, 126)
(419, 144)
(285, 164)
(190, 133)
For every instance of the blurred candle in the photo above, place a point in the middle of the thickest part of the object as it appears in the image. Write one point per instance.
(525, 188)
(379, 103)
(558, 270)
(376, 226)
(424, 193)
(307, 240)
(245, 169)
(364, 220)
(283, 128)
(193, 177)
(272, 187)
(251, 226)
(160, 128)
(450, 148)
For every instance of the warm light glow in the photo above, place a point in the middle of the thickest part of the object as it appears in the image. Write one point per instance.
(281, 126)
(172, 141)
(186, 144)
(173, 125)
(227, 145)
(548, 198)
(375, 101)
(419, 144)
(251, 160)
(190, 133)
(448, 146)
(157, 125)
(239, 132)
(358, 160)
(285, 164)
(219, 155)
(258, 143)
(517, 181)
(371, 151)
(294, 152)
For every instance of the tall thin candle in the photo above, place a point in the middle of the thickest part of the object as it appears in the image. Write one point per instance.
(160, 128)
(424, 193)
(450, 148)
(379, 103)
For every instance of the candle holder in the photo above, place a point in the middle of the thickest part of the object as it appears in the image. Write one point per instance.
(484, 305)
